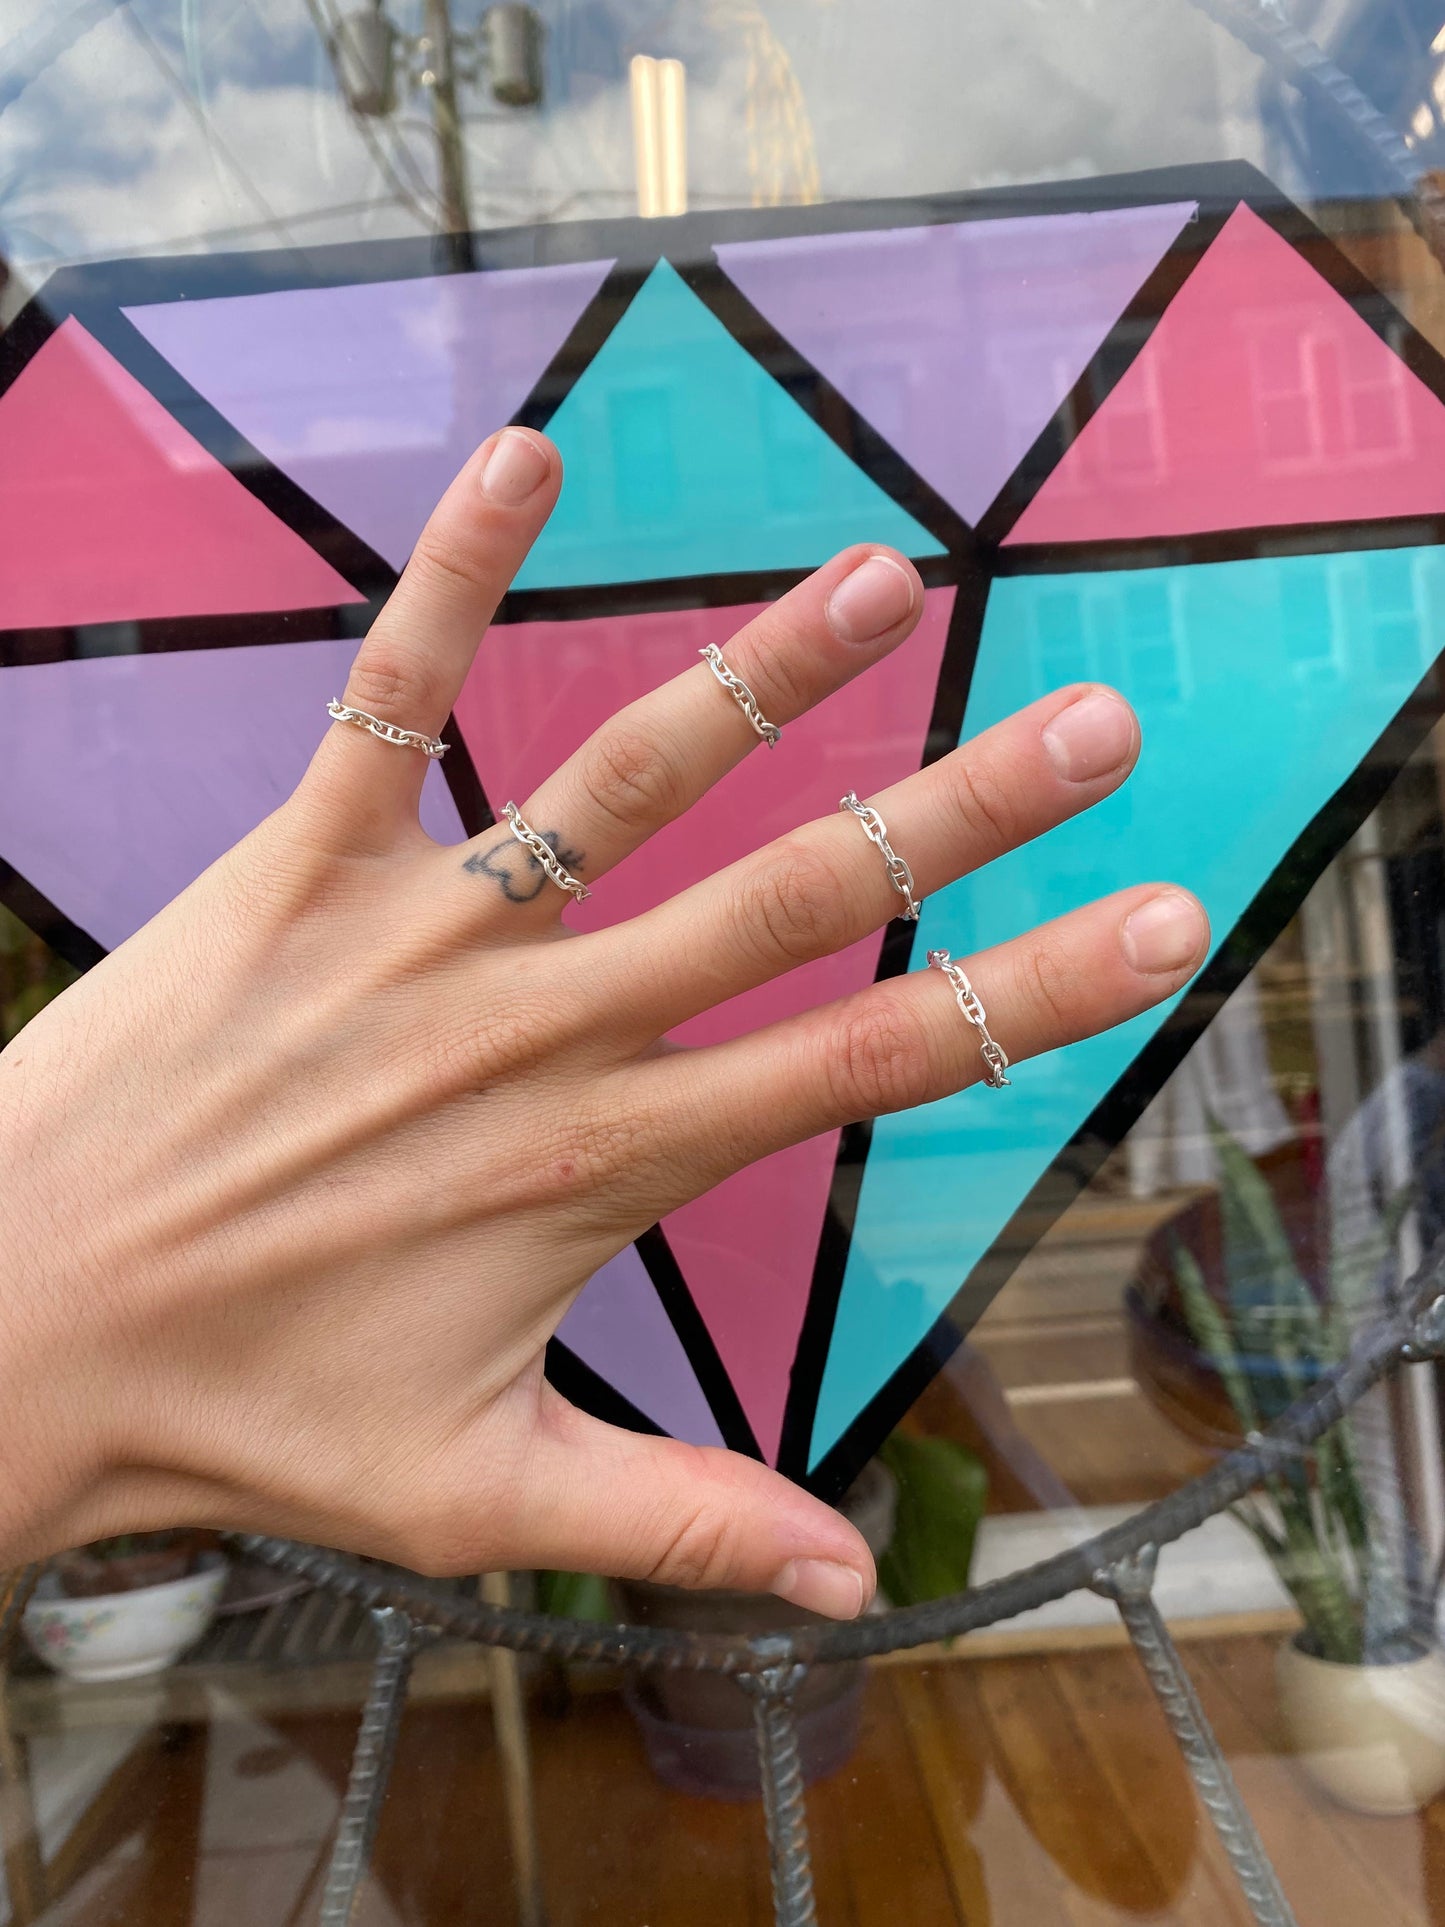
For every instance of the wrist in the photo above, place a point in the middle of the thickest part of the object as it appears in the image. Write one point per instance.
(54, 1404)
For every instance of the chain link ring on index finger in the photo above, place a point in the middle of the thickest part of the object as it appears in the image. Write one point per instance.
(995, 1057)
(899, 874)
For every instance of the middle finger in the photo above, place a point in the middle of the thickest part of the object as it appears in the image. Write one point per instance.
(826, 886)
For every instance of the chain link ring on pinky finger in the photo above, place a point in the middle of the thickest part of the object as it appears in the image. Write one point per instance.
(995, 1057)
(385, 732)
(899, 874)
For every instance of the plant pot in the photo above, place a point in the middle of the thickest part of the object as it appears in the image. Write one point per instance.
(122, 1635)
(698, 1727)
(1373, 1737)
(94, 1572)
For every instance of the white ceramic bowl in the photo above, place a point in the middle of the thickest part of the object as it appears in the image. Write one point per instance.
(121, 1635)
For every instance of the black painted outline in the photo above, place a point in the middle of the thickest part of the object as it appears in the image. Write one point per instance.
(95, 294)
(1279, 898)
(1263, 920)
(577, 1382)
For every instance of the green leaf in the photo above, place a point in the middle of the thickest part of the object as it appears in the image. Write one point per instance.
(575, 1595)
(942, 1487)
(1356, 1269)
(1340, 1486)
(1211, 1332)
(14, 937)
(1275, 1312)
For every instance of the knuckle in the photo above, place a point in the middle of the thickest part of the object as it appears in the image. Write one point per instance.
(635, 779)
(877, 1061)
(701, 1553)
(986, 806)
(391, 683)
(1052, 984)
(515, 1035)
(795, 901)
(441, 562)
(773, 671)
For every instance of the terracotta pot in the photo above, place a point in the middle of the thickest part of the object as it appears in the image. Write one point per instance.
(698, 1727)
(1373, 1737)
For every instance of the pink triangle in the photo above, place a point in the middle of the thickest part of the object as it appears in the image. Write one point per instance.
(538, 688)
(1260, 399)
(112, 511)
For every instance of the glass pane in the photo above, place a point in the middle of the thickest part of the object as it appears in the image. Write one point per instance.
(1125, 323)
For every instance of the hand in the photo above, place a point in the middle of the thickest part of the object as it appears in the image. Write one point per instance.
(299, 1181)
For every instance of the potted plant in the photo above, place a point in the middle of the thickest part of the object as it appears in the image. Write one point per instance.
(122, 1607)
(30, 975)
(1361, 1685)
(917, 1505)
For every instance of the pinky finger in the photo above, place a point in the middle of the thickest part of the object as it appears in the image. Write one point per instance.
(906, 1042)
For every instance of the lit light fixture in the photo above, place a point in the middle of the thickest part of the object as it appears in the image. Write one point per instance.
(659, 134)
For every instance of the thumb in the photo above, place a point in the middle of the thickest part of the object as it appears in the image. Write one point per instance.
(634, 1507)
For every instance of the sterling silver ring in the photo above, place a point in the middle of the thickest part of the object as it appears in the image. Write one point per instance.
(387, 732)
(543, 853)
(741, 694)
(995, 1057)
(899, 874)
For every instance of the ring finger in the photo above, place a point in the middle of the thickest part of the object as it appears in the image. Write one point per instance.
(654, 759)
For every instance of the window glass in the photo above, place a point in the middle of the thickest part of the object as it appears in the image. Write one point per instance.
(1126, 322)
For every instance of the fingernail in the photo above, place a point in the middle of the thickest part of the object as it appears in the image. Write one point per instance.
(819, 1586)
(1167, 933)
(515, 469)
(873, 599)
(1091, 737)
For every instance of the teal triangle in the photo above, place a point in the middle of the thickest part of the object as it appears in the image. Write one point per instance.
(1261, 686)
(684, 457)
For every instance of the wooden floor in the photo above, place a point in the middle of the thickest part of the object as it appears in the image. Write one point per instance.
(1016, 1792)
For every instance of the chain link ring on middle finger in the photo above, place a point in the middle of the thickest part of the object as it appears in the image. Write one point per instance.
(899, 874)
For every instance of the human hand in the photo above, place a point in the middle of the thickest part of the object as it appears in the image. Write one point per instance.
(300, 1180)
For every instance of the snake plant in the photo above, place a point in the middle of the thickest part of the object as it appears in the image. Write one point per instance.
(1327, 1527)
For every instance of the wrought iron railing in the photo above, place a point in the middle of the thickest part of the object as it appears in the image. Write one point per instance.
(1118, 1563)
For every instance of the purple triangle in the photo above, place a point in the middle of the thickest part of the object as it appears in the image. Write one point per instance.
(619, 1327)
(371, 396)
(957, 342)
(123, 777)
